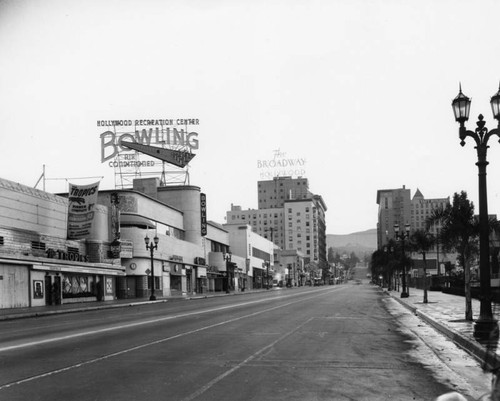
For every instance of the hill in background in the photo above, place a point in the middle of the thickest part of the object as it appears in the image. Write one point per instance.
(361, 243)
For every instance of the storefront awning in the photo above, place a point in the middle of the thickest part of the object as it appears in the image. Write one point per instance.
(79, 269)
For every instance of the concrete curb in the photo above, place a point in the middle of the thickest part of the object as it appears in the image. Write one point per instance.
(470, 346)
(90, 307)
(25, 315)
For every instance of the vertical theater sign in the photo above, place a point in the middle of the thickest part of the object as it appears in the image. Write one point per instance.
(141, 147)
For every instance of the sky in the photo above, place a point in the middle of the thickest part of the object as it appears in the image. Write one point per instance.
(360, 90)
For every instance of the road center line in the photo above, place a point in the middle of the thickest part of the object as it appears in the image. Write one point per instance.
(115, 354)
(214, 381)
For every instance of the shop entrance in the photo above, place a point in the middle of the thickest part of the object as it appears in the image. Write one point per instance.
(131, 287)
(13, 286)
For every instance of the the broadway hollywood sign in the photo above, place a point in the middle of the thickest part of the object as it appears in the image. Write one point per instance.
(281, 165)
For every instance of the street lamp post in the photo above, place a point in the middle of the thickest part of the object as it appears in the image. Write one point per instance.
(151, 247)
(461, 108)
(405, 293)
(266, 265)
(227, 257)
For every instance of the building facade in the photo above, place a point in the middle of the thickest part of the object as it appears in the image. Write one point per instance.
(394, 208)
(293, 218)
(273, 193)
(191, 256)
(422, 208)
(38, 264)
(290, 268)
(256, 250)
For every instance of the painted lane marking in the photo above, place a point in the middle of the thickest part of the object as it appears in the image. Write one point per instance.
(118, 353)
(130, 325)
(222, 376)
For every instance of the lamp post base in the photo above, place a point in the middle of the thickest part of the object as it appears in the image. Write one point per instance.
(486, 331)
(152, 298)
(404, 294)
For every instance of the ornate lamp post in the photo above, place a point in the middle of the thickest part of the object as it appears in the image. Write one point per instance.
(402, 236)
(151, 247)
(461, 107)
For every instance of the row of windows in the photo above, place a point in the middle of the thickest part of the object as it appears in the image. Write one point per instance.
(260, 254)
(430, 205)
(289, 182)
(290, 210)
(254, 216)
(270, 221)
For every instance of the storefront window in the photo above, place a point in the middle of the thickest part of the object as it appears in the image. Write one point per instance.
(76, 285)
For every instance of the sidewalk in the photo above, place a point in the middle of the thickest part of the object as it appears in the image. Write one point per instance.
(446, 313)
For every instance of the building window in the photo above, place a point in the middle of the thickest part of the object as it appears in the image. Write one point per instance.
(39, 246)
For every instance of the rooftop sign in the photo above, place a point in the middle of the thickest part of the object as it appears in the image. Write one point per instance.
(281, 165)
(163, 133)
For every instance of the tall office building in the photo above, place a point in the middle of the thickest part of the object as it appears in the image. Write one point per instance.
(273, 193)
(289, 215)
(394, 207)
(422, 208)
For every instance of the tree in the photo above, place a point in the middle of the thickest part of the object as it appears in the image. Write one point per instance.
(378, 263)
(459, 233)
(422, 241)
(353, 259)
(384, 262)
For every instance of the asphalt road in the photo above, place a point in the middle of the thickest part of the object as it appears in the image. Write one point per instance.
(308, 343)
